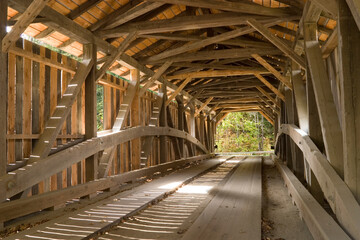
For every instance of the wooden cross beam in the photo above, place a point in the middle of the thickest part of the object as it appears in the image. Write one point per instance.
(177, 91)
(201, 43)
(222, 118)
(277, 42)
(181, 23)
(203, 105)
(240, 42)
(124, 109)
(84, 7)
(270, 86)
(24, 21)
(132, 14)
(191, 100)
(240, 7)
(267, 117)
(54, 124)
(240, 54)
(218, 73)
(155, 77)
(266, 94)
(112, 58)
(147, 145)
(271, 69)
(70, 28)
(114, 15)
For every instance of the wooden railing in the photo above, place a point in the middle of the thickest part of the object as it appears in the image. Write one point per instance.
(336, 192)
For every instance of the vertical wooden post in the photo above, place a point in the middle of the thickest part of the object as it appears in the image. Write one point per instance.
(180, 112)
(297, 160)
(314, 133)
(90, 112)
(192, 125)
(163, 123)
(209, 133)
(202, 128)
(349, 59)
(329, 120)
(135, 121)
(192, 120)
(3, 92)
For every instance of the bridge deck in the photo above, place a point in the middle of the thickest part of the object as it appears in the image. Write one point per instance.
(220, 198)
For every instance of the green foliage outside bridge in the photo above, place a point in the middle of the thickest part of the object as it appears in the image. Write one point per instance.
(244, 132)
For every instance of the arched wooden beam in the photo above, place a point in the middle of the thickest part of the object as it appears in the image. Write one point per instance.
(337, 193)
(29, 175)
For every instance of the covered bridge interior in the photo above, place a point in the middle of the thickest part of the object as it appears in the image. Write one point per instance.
(168, 72)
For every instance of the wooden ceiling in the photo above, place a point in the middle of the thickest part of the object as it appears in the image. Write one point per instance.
(211, 48)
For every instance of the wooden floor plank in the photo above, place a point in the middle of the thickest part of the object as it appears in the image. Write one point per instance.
(125, 203)
(235, 211)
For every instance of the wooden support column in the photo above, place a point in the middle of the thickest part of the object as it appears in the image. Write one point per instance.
(296, 156)
(91, 163)
(3, 92)
(202, 128)
(349, 60)
(329, 120)
(303, 114)
(163, 123)
(315, 134)
(209, 134)
(135, 121)
(180, 113)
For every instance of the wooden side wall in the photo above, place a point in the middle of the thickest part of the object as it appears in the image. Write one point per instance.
(34, 89)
